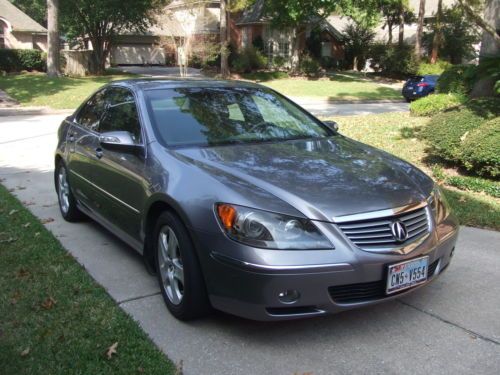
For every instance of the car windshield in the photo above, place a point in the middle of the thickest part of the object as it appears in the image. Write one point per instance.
(220, 115)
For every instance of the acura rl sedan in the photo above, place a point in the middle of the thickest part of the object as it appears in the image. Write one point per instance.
(242, 201)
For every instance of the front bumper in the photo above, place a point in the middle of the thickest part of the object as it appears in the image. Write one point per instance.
(251, 287)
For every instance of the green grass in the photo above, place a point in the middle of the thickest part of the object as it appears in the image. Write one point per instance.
(36, 89)
(398, 134)
(55, 319)
(344, 86)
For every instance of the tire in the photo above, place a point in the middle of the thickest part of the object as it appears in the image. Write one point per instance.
(65, 197)
(178, 270)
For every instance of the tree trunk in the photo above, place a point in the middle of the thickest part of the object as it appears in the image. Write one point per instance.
(53, 38)
(389, 33)
(438, 33)
(490, 47)
(401, 38)
(420, 29)
(99, 54)
(224, 66)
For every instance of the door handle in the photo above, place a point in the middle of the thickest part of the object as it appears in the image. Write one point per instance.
(98, 153)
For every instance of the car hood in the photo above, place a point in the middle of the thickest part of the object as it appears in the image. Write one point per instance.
(322, 178)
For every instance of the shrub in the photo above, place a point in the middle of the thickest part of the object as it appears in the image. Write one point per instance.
(433, 104)
(485, 107)
(15, 60)
(249, 59)
(446, 131)
(427, 68)
(457, 79)
(481, 149)
(309, 66)
(279, 62)
(394, 60)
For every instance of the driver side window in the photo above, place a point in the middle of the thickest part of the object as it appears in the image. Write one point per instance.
(90, 114)
(121, 114)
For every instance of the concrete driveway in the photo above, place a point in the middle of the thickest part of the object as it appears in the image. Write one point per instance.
(450, 327)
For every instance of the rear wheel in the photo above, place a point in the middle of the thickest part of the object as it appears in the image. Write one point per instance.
(179, 274)
(67, 202)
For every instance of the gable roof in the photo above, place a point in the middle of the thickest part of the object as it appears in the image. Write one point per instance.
(18, 20)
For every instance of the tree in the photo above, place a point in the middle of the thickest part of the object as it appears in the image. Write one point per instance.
(396, 13)
(53, 51)
(224, 65)
(359, 37)
(36, 9)
(474, 10)
(100, 22)
(420, 29)
(438, 33)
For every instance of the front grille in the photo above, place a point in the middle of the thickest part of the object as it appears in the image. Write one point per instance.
(375, 234)
(363, 292)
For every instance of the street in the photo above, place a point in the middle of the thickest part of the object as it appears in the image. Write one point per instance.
(451, 326)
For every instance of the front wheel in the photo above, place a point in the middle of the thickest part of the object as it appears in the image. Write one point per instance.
(178, 270)
(67, 202)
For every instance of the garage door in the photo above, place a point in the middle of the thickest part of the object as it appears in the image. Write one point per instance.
(137, 54)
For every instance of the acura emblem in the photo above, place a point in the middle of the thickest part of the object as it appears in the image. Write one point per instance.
(399, 231)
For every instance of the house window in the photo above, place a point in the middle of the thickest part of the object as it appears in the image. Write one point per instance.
(245, 36)
(281, 49)
(284, 49)
(3, 27)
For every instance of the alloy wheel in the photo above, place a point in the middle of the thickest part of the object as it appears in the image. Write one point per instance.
(170, 265)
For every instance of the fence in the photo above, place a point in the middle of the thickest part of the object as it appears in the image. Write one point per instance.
(78, 63)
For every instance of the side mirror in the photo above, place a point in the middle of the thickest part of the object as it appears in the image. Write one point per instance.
(119, 140)
(332, 125)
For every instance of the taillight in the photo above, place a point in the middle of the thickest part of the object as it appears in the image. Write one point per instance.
(422, 84)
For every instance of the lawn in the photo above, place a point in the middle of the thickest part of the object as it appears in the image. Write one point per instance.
(398, 133)
(36, 89)
(338, 86)
(55, 319)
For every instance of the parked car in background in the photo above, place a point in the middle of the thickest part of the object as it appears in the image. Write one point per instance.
(419, 86)
(242, 201)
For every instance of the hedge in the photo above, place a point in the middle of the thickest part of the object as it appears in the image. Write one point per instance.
(481, 149)
(457, 79)
(433, 104)
(16, 60)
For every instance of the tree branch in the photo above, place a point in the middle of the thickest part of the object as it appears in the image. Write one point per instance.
(479, 21)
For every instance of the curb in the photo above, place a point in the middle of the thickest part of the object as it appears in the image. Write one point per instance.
(33, 111)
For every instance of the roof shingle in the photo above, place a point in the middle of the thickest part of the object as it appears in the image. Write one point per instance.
(19, 20)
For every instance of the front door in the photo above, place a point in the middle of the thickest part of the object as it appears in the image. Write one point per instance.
(119, 174)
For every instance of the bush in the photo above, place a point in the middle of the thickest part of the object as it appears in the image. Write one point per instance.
(15, 60)
(445, 132)
(309, 66)
(457, 79)
(481, 149)
(394, 60)
(433, 104)
(249, 59)
(438, 68)
(279, 62)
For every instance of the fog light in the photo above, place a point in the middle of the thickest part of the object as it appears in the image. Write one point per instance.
(289, 296)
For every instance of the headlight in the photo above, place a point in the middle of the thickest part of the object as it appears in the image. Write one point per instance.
(269, 230)
(438, 204)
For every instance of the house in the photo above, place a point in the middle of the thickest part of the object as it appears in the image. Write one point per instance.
(18, 30)
(198, 20)
(410, 31)
(286, 43)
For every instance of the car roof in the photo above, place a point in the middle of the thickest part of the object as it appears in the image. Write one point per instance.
(169, 83)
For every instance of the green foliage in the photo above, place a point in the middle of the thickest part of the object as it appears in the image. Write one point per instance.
(445, 132)
(266, 76)
(489, 67)
(15, 60)
(248, 59)
(36, 9)
(313, 43)
(481, 149)
(457, 79)
(309, 66)
(477, 184)
(258, 43)
(426, 68)
(394, 60)
(358, 39)
(460, 34)
(432, 104)
(279, 62)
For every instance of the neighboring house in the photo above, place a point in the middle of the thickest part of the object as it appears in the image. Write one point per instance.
(286, 43)
(197, 20)
(18, 30)
(410, 31)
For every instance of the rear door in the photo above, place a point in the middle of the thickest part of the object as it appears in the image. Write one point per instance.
(83, 139)
(119, 174)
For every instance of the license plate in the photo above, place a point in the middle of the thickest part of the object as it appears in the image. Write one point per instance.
(407, 274)
(410, 87)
